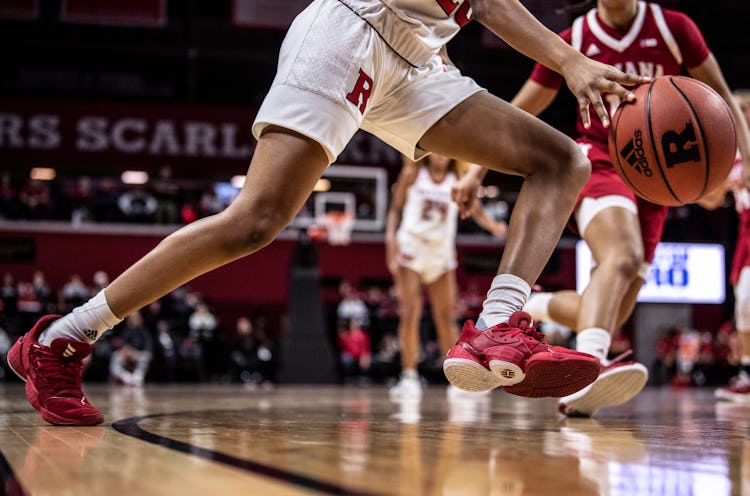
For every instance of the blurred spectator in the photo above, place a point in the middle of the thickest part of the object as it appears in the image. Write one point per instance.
(82, 201)
(209, 204)
(386, 361)
(620, 344)
(29, 305)
(106, 195)
(188, 213)
(10, 207)
(470, 300)
(203, 325)
(4, 347)
(129, 366)
(251, 355)
(166, 192)
(352, 306)
(42, 291)
(137, 205)
(165, 364)
(35, 200)
(9, 294)
(135, 334)
(355, 351)
(190, 361)
(74, 292)
(99, 281)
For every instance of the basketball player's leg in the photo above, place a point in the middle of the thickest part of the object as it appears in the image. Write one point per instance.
(488, 131)
(562, 306)
(485, 130)
(614, 236)
(738, 390)
(442, 293)
(282, 174)
(409, 312)
(409, 294)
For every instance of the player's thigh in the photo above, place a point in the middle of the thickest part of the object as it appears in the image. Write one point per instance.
(409, 290)
(281, 176)
(489, 131)
(614, 230)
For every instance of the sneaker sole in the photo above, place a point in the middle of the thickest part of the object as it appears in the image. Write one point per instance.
(469, 375)
(555, 375)
(742, 398)
(611, 388)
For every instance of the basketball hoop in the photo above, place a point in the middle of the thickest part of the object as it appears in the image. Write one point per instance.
(338, 226)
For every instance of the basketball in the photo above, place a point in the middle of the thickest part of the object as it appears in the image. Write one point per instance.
(675, 143)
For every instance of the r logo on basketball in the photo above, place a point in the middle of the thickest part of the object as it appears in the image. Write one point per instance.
(680, 147)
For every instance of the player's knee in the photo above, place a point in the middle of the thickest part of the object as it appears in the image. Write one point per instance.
(251, 233)
(627, 264)
(567, 165)
(742, 313)
(579, 166)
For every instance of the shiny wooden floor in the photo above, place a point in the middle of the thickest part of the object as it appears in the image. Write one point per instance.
(342, 440)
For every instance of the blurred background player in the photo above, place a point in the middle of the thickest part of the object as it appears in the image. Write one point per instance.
(383, 74)
(621, 229)
(420, 243)
(738, 390)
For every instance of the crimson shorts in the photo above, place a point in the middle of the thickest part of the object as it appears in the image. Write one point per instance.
(604, 181)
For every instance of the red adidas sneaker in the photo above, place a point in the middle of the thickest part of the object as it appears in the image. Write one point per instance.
(514, 355)
(53, 376)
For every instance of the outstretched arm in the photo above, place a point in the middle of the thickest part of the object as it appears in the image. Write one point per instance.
(710, 73)
(497, 228)
(533, 97)
(586, 78)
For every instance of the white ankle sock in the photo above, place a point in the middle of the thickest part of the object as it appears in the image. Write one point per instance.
(409, 374)
(507, 294)
(85, 323)
(538, 306)
(594, 341)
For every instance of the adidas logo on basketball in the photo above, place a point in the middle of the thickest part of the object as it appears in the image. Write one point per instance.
(633, 153)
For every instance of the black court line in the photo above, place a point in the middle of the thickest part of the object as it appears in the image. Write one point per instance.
(9, 483)
(130, 427)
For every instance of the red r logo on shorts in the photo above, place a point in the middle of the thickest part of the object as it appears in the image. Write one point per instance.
(361, 91)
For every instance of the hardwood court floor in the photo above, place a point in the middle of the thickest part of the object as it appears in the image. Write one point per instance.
(223, 440)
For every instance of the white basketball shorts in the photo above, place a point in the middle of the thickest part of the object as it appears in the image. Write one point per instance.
(336, 75)
(429, 260)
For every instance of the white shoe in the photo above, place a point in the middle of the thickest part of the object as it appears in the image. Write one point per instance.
(406, 388)
(617, 383)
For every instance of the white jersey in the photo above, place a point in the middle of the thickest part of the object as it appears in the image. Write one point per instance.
(430, 213)
(415, 29)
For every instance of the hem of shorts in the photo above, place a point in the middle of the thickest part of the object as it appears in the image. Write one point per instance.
(275, 97)
(413, 151)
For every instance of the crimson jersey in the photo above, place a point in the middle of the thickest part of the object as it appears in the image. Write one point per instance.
(742, 205)
(659, 42)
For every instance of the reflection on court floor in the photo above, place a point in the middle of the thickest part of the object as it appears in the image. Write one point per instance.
(332, 440)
